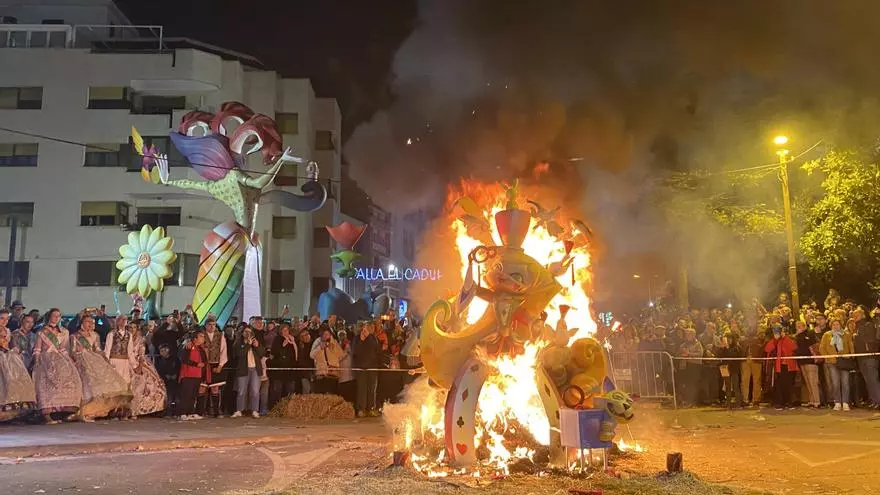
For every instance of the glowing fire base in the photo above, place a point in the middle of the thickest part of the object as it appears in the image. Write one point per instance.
(508, 375)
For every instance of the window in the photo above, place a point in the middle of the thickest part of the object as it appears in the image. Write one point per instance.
(162, 143)
(288, 123)
(102, 213)
(161, 216)
(324, 140)
(158, 105)
(320, 285)
(29, 98)
(321, 238)
(19, 275)
(282, 280)
(24, 212)
(184, 270)
(19, 154)
(103, 155)
(110, 97)
(284, 227)
(287, 175)
(96, 273)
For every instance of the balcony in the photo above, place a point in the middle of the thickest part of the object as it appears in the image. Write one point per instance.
(97, 37)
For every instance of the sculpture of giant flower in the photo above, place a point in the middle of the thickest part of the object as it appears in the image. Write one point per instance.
(146, 261)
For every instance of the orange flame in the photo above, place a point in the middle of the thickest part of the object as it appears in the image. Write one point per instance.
(510, 395)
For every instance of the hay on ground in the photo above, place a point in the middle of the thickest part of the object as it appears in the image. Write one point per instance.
(313, 407)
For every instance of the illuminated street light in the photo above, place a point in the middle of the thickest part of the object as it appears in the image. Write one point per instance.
(391, 267)
(789, 230)
(636, 275)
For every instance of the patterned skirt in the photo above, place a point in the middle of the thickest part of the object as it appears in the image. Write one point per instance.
(149, 390)
(103, 389)
(18, 396)
(59, 388)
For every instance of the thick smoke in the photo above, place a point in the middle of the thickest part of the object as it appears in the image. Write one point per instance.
(615, 95)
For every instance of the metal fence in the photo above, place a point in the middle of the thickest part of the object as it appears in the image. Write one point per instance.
(648, 375)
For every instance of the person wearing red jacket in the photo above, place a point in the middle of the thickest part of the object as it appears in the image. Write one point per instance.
(782, 347)
(194, 371)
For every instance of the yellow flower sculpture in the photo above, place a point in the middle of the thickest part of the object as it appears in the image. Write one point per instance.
(146, 261)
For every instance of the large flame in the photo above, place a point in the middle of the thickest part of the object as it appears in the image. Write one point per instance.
(543, 247)
(509, 399)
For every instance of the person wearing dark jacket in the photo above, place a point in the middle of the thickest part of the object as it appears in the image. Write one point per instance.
(729, 350)
(194, 371)
(865, 341)
(367, 356)
(168, 367)
(807, 345)
(284, 355)
(250, 352)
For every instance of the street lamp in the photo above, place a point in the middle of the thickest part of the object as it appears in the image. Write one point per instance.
(636, 275)
(782, 153)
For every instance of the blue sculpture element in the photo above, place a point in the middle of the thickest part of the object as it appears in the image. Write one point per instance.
(371, 303)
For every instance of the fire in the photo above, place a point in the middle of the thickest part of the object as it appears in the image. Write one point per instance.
(625, 447)
(509, 401)
(540, 245)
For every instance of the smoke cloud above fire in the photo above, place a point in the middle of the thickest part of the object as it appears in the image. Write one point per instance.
(613, 95)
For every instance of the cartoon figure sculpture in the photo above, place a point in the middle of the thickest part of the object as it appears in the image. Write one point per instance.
(346, 234)
(217, 147)
(518, 289)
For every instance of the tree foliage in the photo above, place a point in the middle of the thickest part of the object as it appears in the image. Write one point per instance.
(842, 228)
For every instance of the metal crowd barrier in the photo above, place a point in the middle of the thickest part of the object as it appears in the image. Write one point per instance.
(646, 374)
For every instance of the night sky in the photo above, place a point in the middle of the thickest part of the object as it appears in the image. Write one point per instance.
(344, 46)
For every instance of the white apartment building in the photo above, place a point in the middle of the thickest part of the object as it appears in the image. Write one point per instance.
(77, 72)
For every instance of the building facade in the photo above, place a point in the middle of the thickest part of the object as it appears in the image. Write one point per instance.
(70, 178)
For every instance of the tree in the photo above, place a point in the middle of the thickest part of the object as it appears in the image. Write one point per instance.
(843, 226)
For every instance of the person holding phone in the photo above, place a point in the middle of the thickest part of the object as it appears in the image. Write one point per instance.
(249, 352)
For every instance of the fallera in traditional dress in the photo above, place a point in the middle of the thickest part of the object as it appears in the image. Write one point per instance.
(59, 388)
(18, 396)
(104, 390)
(146, 385)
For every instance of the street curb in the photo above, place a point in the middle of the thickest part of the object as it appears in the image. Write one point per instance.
(13, 453)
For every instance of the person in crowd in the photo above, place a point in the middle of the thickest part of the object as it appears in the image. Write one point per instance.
(17, 392)
(751, 369)
(120, 348)
(366, 359)
(347, 386)
(168, 334)
(711, 377)
(59, 388)
(304, 360)
(215, 347)
(16, 315)
(326, 353)
(807, 346)
(149, 334)
(834, 343)
(195, 373)
(249, 352)
(284, 355)
(782, 348)
(865, 342)
(258, 325)
(104, 390)
(691, 351)
(729, 350)
(146, 384)
(168, 366)
(22, 340)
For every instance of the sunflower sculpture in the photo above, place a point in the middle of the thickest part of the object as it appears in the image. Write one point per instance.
(146, 261)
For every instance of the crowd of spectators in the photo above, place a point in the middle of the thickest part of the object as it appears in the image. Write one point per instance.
(753, 355)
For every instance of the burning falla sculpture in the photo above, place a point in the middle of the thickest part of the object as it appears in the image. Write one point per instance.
(518, 289)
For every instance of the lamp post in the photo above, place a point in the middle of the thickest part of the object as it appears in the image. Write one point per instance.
(782, 153)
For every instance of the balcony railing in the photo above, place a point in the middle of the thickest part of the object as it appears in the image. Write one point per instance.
(92, 36)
